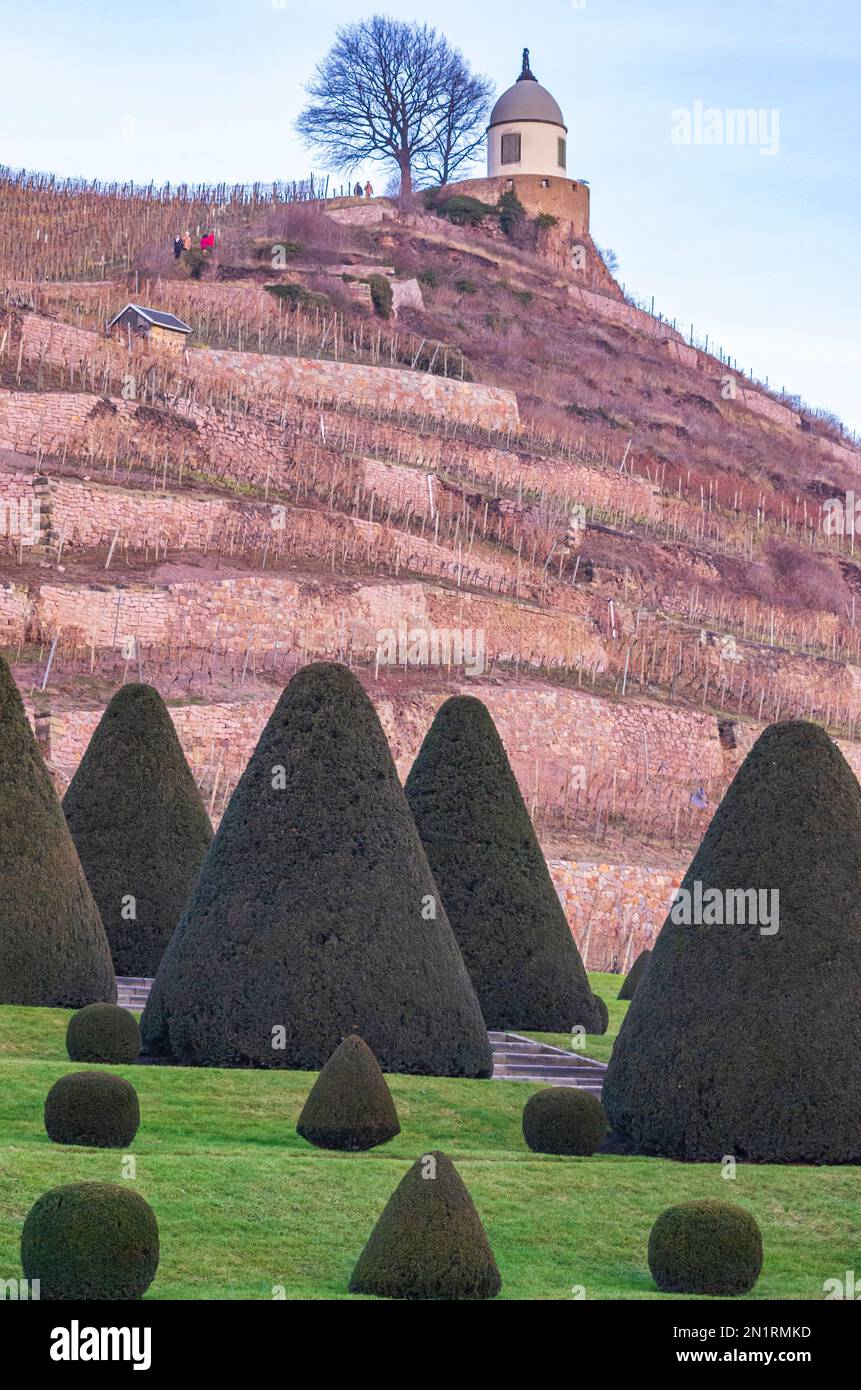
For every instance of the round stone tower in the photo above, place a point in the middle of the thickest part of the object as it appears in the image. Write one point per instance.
(527, 133)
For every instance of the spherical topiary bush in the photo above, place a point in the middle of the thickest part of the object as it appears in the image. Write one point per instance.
(705, 1247)
(103, 1033)
(603, 1014)
(92, 1108)
(90, 1240)
(564, 1120)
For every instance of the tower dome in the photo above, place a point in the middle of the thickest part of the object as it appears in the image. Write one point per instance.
(527, 131)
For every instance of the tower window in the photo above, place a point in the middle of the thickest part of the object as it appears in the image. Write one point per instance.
(563, 152)
(511, 149)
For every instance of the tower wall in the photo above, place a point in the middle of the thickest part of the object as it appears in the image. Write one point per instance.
(565, 199)
(539, 149)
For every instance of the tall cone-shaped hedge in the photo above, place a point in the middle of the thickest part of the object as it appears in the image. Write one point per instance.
(315, 914)
(53, 949)
(139, 825)
(741, 1039)
(429, 1242)
(635, 975)
(493, 877)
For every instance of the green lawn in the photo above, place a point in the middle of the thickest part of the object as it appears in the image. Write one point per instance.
(245, 1205)
(597, 1046)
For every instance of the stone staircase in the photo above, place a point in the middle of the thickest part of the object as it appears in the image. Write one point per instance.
(132, 993)
(522, 1059)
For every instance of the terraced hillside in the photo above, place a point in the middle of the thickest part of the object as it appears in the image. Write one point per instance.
(425, 450)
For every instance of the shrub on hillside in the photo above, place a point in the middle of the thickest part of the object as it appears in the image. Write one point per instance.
(493, 877)
(711, 1058)
(90, 1240)
(349, 1106)
(103, 1033)
(382, 295)
(705, 1247)
(297, 297)
(139, 825)
(92, 1108)
(564, 1120)
(315, 908)
(512, 214)
(429, 1242)
(53, 948)
(635, 975)
(463, 211)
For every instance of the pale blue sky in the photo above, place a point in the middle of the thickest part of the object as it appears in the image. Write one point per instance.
(759, 251)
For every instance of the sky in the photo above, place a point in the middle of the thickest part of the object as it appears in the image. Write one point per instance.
(754, 242)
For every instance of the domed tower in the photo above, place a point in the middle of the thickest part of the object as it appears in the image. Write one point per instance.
(527, 133)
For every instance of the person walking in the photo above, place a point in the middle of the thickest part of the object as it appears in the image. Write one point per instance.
(357, 191)
(369, 192)
(178, 246)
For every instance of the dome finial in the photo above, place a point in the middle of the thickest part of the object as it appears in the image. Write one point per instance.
(527, 75)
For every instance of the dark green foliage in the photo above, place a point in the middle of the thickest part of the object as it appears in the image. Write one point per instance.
(603, 1014)
(103, 1033)
(90, 1240)
(267, 248)
(382, 295)
(463, 210)
(742, 1043)
(349, 1106)
(493, 877)
(635, 975)
(194, 261)
(311, 913)
(92, 1108)
(297, 297)
(53, 948)
(139, 825)
(466, 286)
(564, 1120)
(429, 1242)
(705, 1247)
(545, 220)
(429, 277)
(512, 213)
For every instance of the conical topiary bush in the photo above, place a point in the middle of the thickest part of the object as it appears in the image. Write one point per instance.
(139, 825)
(53, 949)
(744, 1040)
(315, 914)
(429, 1242)
(493, 877)
(635, 975)
(349, 1106)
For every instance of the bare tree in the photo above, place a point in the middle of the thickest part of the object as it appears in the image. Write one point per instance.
(394, 92)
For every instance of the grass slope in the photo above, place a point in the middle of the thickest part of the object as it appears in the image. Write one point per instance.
(598, 1046)
(245, 1205)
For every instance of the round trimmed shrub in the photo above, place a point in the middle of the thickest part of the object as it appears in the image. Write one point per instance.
(103, 1033)
(603, 1014)
(429, 1242)
(92, 1108)
(350, 1105)
(564, 1120)
(705, 1247)
(90, 1240)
